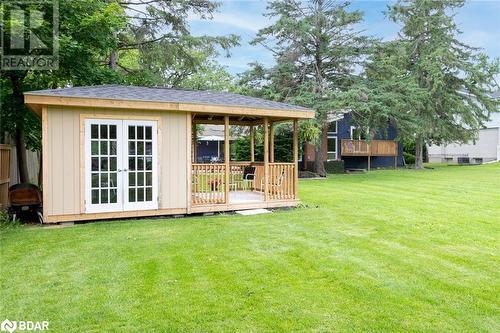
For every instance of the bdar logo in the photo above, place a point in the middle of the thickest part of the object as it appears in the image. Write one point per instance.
(8, 325)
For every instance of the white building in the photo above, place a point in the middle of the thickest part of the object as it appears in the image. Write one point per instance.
(485, 149)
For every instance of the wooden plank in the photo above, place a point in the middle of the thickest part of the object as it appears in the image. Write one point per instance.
(45, 166)
(227, 158)
(189, 161)
(114, 215)
(295, 158)
(252, 144)
(271, 143)
(266, 159)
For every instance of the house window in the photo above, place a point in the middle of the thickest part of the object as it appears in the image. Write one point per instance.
(332, 141)
(332, 148)
(332, 127)
(358, 133)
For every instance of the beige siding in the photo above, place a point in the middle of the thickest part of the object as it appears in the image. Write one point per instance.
(64, 195)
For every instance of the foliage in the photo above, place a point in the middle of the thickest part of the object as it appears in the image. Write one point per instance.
(283, 143)
(422, 261)
(6, 222)
(317, 47)
(457, 79)
(334, 166)
(409, 158)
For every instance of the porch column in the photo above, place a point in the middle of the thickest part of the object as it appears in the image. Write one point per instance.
(194, 156)
(252, 144)
(266, 159)
(226, 158)
(271, 145)
(295, 157)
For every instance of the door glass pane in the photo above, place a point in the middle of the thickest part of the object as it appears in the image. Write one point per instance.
(104, 164)
(104, 196)
(131, 195)
(104, 131)
(149, 163)
(131, 163)
(149, 178)
(104, 147)
(140, 148)
(140, 194)
(149, 194)
(140, 179)
(95, 148)
(131, 132)
(95, 196)
(140, 132)
(112, 164)
(104, 180)
(149, 148)
(140, 163)
(94, 131)
(112, 148)
(113, 197)
(95, 180)
(131, 178)
(131, 148)
(149, 131)
(112, 131)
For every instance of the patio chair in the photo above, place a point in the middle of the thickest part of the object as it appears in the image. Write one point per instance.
(248, 177)
(273, 183)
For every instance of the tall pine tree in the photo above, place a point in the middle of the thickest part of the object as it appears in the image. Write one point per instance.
(317, 49)
(457, 79)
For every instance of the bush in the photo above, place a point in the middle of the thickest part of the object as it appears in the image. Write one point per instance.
(409, 158)
(334, 167)
(6, 222)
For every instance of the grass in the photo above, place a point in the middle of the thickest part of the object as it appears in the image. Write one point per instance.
(383, 251)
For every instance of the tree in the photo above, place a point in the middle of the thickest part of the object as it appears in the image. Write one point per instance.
(102, 42)
(317, 49)
(158, 45)
(456, 79)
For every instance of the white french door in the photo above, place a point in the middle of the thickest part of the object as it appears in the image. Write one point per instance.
(120, 165)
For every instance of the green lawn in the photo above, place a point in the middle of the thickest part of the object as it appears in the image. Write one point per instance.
(383, 251)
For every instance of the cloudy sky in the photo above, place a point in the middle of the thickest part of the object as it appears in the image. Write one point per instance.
(479, 20)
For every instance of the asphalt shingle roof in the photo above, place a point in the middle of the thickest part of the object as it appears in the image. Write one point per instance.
(173, 95)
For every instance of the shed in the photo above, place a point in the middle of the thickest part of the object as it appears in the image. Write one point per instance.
(118, 151)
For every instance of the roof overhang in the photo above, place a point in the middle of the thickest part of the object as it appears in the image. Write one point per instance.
(37, 101)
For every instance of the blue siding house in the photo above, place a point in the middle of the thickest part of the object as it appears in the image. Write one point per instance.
(346, 142)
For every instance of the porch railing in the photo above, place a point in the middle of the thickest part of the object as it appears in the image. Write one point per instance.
(371, 148)
(281, 185)
(208, 183)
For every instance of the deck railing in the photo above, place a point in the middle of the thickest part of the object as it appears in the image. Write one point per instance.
(208, 183)
(281, 185)
(369, 148)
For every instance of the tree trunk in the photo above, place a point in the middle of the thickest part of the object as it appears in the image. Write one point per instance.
(319, 164)
(19, 110)
(419, 156)
(113, 60)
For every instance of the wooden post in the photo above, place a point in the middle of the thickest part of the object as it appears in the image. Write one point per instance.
(189, 157)
(395, 162)
(266, 159)
(194, 144)
(369, 158)
(226, 158)
(295, 158)
(252, 144)
(271, 143)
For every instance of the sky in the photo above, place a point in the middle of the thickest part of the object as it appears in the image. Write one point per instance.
(479, 20)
